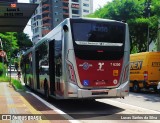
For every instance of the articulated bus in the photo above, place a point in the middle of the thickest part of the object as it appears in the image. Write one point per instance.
(81, 58)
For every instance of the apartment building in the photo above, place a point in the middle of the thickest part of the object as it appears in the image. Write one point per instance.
(50, 13)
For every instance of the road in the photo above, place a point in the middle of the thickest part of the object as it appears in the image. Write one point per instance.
(102, 110)
(111, 110)
(148, 100)
(13, 73)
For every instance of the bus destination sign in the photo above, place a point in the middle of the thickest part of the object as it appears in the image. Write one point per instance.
(12, 10)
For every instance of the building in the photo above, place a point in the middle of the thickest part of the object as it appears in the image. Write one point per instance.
(50, 13)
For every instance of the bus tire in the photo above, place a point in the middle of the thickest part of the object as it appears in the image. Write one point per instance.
(136, 88)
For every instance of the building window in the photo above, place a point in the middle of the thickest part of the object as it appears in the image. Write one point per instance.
(38, 17)
(75, 0)
(86, 5)
(75, 6)
(74, 16)
(75, 12)
(84, 10)
(57, 19)
(36, 29)
(56, 13)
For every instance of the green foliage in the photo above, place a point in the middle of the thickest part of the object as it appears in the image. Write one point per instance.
(9, 42)
(1, 69)
(4, 79)
(132, 11)
(13, 42)
(23, 42)
(17, 84)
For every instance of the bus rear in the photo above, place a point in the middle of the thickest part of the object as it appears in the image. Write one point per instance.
(98, 62)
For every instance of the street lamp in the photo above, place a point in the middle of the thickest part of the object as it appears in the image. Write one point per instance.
(148, 12)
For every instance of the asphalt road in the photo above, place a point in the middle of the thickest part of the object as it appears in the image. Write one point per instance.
(148, 100)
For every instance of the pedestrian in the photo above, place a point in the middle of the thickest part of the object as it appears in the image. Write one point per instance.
(19, 75)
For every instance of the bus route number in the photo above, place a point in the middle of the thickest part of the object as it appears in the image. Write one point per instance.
(115, 64)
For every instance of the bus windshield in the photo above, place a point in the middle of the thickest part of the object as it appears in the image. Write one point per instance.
(101, 34)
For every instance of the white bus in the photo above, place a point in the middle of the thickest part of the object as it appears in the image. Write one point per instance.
(80, 58)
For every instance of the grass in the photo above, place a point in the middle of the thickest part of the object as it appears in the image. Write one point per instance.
(4, 79)
(16, 83)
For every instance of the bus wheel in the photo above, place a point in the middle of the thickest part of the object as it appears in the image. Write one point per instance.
(136, 87)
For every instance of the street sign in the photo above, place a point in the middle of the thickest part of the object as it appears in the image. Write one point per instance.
(15, 16)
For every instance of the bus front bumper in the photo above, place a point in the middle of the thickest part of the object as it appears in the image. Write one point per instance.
(121, 91)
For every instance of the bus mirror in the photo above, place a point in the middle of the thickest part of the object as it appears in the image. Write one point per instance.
(65, 28)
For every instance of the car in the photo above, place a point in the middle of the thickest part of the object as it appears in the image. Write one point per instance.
(12, 67)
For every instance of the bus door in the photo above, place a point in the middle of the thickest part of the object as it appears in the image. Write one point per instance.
(51, 67)
(37, 69)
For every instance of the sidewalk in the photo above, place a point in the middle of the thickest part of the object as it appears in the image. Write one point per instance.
(22, 103)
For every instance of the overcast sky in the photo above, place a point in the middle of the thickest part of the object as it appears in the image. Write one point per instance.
(96, 4)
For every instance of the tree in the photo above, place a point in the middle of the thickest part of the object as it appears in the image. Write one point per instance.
(9, 43)
(23, 41)
(132, 11)
(13, 42)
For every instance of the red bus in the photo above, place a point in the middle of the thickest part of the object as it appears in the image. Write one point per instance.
(80, 58)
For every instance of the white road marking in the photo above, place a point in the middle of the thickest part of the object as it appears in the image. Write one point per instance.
(132, 106)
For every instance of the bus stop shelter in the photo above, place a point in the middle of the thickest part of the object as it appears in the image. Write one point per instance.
(15, 16)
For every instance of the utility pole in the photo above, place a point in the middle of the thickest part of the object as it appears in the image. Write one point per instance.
(148, 9)
(158, 36)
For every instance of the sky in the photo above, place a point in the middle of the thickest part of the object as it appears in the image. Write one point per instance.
(96, 4)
